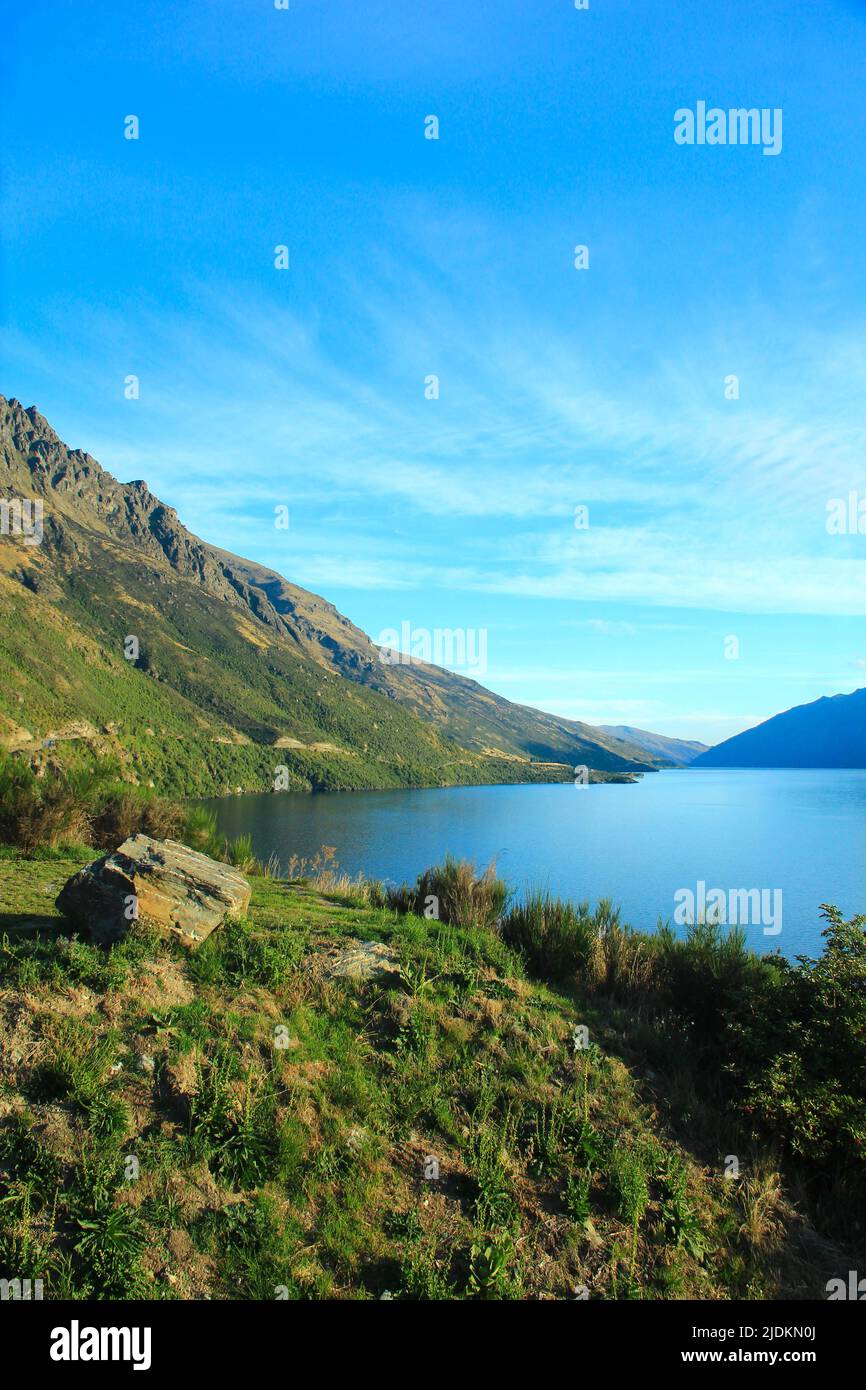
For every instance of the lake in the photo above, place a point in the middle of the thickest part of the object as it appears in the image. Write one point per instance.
(778, 843)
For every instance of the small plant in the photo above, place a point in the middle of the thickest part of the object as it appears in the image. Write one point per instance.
(422, 1275)
(632, 1191)
(490, 1268)
(552, 1129)
(578, 1187)
(109, 1251)
(414, 976)
(678, 1216)
(590, 1146)
(76, 1061)
(232, 1124)
(495, 1205)
(26, 1237)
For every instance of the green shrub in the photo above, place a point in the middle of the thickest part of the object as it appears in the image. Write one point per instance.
(804, 1052)
(556, 939)
(85, 805)
(455, 893)
(125, 811)
(233, 1124)
(43, 810)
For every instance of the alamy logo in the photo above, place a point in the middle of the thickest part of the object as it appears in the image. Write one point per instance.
(21, 1290)
(736, 126)
(21, 516)
(77, 1343)
(854, 1290)
(734, 907)
(846, 516)
(463, 648)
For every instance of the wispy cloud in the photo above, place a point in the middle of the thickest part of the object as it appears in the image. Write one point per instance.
(693, 501)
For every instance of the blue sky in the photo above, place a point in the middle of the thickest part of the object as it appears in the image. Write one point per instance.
(559, 388)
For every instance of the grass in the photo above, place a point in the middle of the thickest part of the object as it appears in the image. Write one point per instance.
(241, 1123)
(454, 892)
(62, 668)
(555, 938)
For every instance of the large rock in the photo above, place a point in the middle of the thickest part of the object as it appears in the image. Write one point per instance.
(183, 893)
(360, 960)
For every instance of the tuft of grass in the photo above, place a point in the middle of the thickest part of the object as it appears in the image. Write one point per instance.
(239, 853)
(109, 1252)
(454, 892)
(240, 954)
(233, 1124)
(557, 939)
(763, 1206)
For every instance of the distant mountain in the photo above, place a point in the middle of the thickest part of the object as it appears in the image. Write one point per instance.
(830, 732)
(237, 671)
(676, 751)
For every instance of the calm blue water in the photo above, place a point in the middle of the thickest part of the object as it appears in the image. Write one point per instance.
(801, 832)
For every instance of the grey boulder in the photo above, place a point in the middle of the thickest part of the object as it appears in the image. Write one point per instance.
(183, 893)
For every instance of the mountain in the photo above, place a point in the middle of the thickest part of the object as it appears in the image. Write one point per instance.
(237, 671)
(679, 752)
(830, 732)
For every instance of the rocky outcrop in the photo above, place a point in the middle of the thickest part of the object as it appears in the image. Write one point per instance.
(183, 893)
(362, 960)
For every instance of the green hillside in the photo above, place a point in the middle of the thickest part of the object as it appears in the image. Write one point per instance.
(236, 673)
(253, 1122)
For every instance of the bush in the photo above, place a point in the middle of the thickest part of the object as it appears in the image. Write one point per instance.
(199, 830)
(85, 805)
(453, 892)
(556, 939)
(805, 1051)
(43, 810)
(124, 812)
(710, 979)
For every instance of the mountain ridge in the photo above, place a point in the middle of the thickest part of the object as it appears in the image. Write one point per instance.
(242, 655)
(678, 751)
(827, 732)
